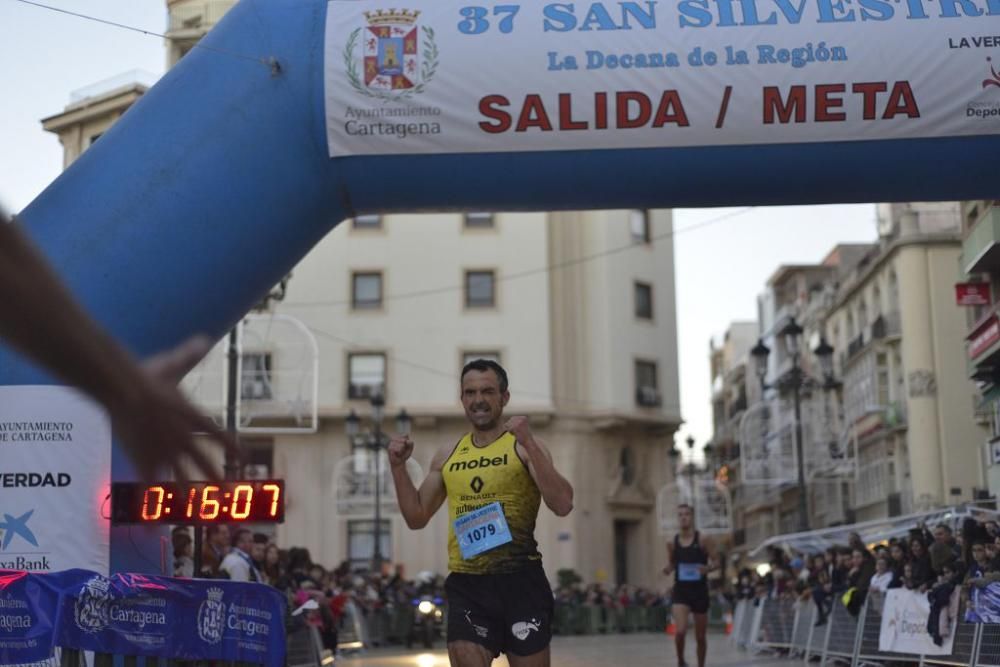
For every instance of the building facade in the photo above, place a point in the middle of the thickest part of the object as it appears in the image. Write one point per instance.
(907, 398)
(900, 428)
(980, 271)
(578, 306)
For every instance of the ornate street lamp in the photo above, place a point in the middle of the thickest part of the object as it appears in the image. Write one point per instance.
(373, 441)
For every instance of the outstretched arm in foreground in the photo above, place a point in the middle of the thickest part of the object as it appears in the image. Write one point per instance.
(148, 413)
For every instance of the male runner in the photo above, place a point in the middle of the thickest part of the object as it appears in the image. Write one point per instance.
(499, 599)
(690, 557)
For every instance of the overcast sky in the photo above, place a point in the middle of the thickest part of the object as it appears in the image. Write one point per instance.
(720, 268)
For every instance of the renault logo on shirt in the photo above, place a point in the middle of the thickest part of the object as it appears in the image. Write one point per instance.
(477, 484)
(481, 462)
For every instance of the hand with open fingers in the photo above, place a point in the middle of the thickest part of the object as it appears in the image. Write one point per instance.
(155, 422)
(400, 450)
(519, 428)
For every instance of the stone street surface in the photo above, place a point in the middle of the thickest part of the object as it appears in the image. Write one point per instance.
(642, 650)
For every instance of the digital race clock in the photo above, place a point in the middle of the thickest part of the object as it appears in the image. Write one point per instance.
(198, 502)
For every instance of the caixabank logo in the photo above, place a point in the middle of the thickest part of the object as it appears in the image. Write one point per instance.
(393, 56)
(987, 109)
(16, 535)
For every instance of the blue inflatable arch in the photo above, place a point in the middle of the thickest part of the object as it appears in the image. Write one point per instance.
(219, 180)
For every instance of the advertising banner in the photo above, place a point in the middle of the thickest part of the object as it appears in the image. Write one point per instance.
(180, 619)
(28, 611)
(454, 77)
(904, 625)
(55, 445)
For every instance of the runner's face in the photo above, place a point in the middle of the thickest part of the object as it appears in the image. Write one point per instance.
(482, 399)
(684, 517)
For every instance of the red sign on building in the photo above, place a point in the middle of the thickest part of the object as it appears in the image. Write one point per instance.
(987, 333)
(972, 294)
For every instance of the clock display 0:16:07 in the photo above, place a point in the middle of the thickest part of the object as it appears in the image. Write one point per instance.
(198, 502)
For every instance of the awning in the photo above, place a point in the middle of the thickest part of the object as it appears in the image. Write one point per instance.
(871, 532)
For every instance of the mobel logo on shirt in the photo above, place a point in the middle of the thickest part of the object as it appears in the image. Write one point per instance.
(481, 462)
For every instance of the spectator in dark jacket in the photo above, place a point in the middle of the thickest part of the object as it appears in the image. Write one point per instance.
(859, 578)
(923, 573)
(944, 549)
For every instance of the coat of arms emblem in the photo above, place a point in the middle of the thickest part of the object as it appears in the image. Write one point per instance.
(212, 617)
(91, 611)
(397, 56)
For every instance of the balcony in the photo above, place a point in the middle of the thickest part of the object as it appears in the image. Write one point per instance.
(981, 248)
(876, 482)
(855, 346)
(648, 397)
(759, 496)
(885, 326)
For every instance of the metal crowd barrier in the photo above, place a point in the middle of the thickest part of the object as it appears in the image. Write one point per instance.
(802, 625)
(573, 619)
(744, 619)
(775, 624)
(787, 627)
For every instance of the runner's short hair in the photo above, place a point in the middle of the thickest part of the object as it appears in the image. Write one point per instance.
(685, 506)
(483, 365)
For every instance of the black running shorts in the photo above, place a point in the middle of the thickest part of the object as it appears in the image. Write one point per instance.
(509, 613)
(693, 597)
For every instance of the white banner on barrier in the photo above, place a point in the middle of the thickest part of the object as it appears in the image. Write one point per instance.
(904, 625)
(55, 445)
(451, 77)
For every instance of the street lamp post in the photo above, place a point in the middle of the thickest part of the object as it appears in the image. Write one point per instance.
(690, 469)
(795, 380)
(373, 442)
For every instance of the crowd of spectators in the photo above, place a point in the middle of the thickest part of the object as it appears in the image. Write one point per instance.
(609, 597)
(938, 562)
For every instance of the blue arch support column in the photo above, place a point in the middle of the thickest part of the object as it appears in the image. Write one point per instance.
(218, 181)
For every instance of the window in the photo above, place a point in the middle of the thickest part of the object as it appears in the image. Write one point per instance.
(491, 355)
(257, 458)
(367, 222)
(366, 290)
(882, 379)
(255, 383)
(626, 465)
(366, 373)
(644, 301)
(361, 542)
(480, 289)
(639, 226)
(647, 393)
(479, 220)
(94, 138)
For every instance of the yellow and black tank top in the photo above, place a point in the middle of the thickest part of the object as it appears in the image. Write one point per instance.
(478, 476)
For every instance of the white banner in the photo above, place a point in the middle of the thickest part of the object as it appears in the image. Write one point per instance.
(904, 625)
(451, 77)
(55, 448)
